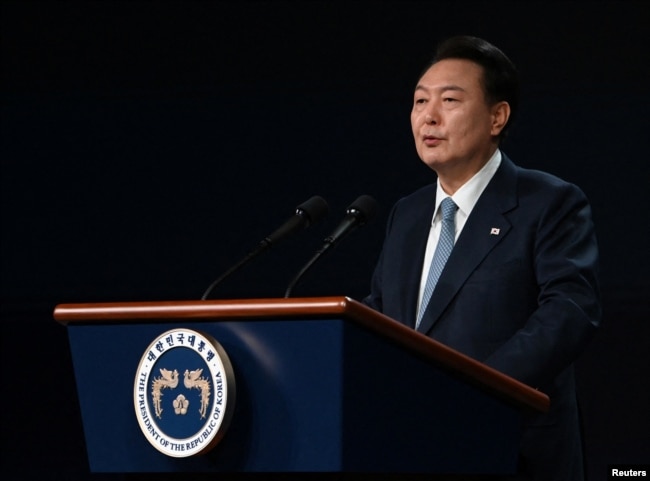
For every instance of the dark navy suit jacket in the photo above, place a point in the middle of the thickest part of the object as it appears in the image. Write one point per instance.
(519, 293)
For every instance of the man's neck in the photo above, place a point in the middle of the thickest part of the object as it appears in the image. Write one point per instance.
(452, 178)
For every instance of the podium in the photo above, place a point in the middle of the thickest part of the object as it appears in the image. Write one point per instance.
(323, 385)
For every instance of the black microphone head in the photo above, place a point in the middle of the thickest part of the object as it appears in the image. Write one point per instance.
(364, 209)
(314, 209)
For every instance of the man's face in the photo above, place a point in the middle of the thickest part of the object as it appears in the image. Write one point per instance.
(455, 129)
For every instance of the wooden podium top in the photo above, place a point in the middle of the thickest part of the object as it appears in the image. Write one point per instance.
(471, 370)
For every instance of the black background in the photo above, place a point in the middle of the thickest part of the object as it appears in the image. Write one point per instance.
(147, 146)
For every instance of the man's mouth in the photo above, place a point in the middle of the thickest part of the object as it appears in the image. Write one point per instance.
(431, 140)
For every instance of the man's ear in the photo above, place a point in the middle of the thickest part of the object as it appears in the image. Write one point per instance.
(500, 116)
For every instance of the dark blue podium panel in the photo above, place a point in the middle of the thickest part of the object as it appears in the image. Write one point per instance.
(311, 396)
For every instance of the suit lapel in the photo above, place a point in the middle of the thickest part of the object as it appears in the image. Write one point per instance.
(485, 228)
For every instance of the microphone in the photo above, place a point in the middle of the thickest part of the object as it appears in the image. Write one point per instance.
(359, 213)
(310, 212)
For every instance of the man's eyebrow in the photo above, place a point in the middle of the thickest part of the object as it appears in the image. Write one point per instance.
(444, 88)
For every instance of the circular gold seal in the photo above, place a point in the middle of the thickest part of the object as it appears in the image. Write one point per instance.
(184, 393)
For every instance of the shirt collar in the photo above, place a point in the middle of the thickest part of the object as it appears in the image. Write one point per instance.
(468, 194)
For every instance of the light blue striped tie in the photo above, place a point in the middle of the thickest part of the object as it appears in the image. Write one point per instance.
(443, 249)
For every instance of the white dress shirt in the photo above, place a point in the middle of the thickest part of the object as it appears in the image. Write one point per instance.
(465, 198)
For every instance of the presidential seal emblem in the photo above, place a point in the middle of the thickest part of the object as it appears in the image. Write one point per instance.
(184, 393)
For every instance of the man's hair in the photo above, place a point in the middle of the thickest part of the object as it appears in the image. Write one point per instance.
(500, 77)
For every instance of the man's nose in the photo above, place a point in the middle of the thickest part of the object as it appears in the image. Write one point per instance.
(432, 114)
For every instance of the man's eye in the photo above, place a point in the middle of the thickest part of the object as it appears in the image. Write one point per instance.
(450, 99)
(420, 101)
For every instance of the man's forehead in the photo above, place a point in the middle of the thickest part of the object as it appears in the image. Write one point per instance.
(442, 88)
(451, 74)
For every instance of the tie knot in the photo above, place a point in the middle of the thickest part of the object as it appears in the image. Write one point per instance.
(449, 208)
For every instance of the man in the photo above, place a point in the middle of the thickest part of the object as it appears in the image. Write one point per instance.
(518, 290)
